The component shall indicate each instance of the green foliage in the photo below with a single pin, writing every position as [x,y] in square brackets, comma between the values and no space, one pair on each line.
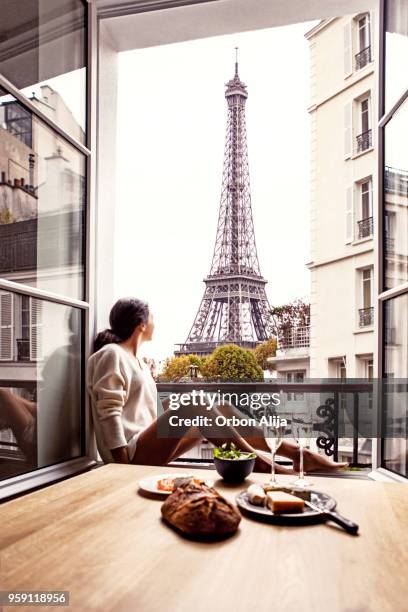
[177,367]
[222,452]
[231,363]
[5,216]
[290,316]
[263,351]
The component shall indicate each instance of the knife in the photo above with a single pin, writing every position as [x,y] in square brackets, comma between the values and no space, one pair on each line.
[347,525]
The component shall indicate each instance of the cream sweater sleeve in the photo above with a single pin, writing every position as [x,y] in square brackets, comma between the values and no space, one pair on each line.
[110,384]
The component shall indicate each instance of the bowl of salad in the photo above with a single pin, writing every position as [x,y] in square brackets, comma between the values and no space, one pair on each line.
[232,464]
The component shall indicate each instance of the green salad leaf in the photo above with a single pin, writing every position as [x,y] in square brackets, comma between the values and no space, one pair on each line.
[223,452]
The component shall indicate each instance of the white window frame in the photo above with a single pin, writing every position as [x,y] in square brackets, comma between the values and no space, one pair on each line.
[362,281]
[369,181]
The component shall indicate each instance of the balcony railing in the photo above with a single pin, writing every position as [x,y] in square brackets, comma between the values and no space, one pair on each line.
[363,58]
[366,316]
[389,244]
[396,181]
[296,337]
[365,227]
[364,141]
[338,409]
[23,349]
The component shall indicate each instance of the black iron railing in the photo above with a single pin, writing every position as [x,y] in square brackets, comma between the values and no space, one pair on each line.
[23,349]
[396,181]
[363,58]
[365,227]
[366,316]
[329,402]
[364,141]
[389,244]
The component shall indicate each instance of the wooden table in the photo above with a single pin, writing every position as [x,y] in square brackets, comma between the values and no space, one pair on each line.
[96,537]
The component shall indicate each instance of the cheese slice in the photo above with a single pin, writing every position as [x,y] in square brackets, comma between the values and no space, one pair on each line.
[280,502]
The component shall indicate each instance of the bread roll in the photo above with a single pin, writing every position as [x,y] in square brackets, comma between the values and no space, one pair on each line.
[199,510]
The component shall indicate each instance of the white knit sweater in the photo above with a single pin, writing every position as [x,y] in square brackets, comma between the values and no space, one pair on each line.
[123,398]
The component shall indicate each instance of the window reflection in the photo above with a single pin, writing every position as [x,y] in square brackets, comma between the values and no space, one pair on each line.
[396,47]
[42,52]
[40,383]
[42,200]
[396,370]
[396,200]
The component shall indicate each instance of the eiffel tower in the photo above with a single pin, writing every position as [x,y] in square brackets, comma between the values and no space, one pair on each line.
[234,308]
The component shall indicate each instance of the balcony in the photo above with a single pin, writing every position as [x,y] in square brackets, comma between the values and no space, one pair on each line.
[364,141]
[366,316]
[363,58]
[296,337]
[365,227]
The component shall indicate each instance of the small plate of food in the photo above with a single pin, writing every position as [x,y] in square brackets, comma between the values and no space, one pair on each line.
[284,504]
[164,484]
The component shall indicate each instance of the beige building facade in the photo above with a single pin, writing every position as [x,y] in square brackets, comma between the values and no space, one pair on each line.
[340,341]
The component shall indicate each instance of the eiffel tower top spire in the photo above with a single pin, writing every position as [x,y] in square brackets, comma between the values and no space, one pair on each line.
[235,307]
[235,85]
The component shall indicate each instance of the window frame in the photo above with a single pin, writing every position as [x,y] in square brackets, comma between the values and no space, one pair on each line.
[25,482]
[383,295]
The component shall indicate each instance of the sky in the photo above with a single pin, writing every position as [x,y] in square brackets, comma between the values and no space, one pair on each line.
[170,147]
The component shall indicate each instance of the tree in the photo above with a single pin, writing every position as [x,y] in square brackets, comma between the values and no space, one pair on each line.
[5,216]
[231,363]
[177,367]
[287,317]
[263,351]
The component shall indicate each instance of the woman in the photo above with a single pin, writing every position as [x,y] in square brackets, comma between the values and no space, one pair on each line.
[124,403]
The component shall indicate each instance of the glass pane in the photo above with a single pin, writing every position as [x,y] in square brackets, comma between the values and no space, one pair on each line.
[396,200]
[42,52]
[395,455]
[396,47]
[42,200]
[40,384]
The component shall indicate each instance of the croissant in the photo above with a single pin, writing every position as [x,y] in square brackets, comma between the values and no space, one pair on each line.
[199,510]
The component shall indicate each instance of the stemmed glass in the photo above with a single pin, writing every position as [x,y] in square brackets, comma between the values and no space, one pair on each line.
[302,428]
[273,438]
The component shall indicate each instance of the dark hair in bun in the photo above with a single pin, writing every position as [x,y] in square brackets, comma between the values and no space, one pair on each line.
[125,315]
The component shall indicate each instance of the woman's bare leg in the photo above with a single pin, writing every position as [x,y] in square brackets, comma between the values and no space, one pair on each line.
[290,450]
[156,447]
[14,411]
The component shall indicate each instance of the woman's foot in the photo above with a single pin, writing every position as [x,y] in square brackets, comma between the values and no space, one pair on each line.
[313,462]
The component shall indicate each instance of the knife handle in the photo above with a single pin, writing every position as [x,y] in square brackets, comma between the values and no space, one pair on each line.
[348,525]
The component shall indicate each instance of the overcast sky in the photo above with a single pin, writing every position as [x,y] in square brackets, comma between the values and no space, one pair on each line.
[172,119]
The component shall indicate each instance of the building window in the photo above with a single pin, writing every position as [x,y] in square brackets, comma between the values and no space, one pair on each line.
[295,376]
[364,138]
[363,57]
[365,225]
[366,313]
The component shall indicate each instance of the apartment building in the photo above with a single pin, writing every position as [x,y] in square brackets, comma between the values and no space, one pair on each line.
[339,342]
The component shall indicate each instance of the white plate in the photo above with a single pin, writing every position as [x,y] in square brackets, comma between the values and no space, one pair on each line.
[149,484]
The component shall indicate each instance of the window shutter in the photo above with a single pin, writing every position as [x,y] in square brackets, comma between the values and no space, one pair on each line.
[348,130]
[6,326]
[36,351]
[348,52]
[349,215]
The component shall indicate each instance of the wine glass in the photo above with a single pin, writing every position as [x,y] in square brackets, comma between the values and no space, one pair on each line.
[273,438]
[302,428]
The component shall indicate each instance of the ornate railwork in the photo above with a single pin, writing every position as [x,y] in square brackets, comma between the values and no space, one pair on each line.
[234,308]
[328,441]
